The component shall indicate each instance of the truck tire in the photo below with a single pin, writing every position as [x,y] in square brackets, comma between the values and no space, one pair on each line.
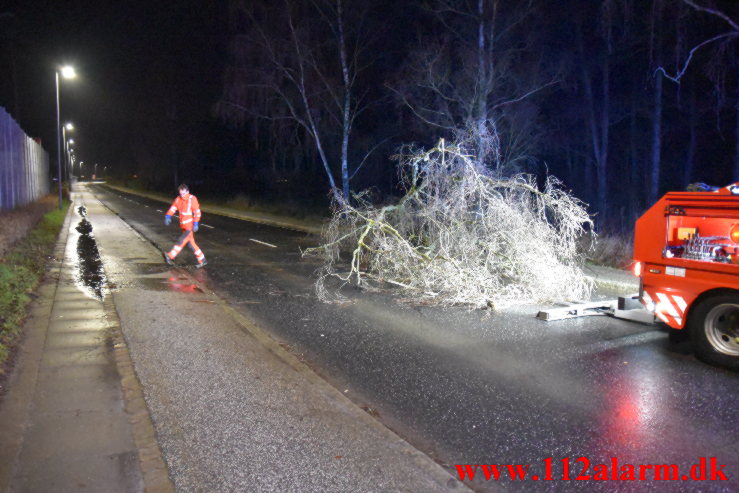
[714,330]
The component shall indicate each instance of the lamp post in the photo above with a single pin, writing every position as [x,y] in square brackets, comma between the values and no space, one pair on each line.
[68,73]
[68,153]
[67,126]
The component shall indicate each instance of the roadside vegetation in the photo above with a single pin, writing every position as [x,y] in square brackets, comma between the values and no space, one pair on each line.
[242,202]
[610,250]
[22,265]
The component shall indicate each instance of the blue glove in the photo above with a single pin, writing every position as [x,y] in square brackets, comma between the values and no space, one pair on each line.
[167,220]
[706,188]
[701,187]
[195,227]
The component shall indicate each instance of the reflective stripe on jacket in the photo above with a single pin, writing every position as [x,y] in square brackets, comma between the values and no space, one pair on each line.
[189,208]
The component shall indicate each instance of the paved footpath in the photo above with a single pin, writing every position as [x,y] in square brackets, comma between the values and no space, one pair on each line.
[74,418]
[161,386]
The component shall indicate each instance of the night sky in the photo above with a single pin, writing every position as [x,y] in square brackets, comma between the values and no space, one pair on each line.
[132,60]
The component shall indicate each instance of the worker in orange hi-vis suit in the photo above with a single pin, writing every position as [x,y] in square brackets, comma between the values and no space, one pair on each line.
[189,209]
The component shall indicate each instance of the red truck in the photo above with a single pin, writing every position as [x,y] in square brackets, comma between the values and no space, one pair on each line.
[686,254]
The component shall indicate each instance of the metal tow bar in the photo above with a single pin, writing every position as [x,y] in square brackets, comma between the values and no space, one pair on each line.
[625,308]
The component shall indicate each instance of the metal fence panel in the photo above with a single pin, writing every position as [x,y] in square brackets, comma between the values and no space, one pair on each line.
[24,165]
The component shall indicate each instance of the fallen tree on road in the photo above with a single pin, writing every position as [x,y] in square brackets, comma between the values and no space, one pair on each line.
[460,235]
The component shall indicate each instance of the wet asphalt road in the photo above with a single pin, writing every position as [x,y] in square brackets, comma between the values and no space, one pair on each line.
[475,387]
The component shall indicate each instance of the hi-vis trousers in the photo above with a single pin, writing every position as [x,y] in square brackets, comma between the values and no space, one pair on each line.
[187,237]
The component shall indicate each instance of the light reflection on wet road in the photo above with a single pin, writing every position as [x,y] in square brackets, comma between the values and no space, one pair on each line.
[90,277]
[473,386]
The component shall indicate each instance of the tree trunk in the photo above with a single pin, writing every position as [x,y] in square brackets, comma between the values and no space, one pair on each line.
[656,154]
[598,124]
[599,140]
[481,110]
[635,188]
[570,168]
[602,161]
[690,157]
[346,109]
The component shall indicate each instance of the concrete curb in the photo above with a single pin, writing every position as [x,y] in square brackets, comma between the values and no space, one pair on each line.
[153,467]
[609,277]
[607,283]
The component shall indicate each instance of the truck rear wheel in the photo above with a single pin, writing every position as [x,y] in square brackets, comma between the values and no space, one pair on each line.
[714,329]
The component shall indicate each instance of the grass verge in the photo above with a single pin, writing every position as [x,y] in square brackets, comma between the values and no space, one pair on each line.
[612,250]
[21,268]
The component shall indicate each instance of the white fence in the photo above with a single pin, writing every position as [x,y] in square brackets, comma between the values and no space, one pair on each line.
[24,165]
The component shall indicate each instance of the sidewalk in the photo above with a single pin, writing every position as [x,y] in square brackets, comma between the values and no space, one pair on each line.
[229,409]
[67,423]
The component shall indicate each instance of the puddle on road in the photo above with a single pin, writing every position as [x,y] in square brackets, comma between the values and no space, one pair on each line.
[145,268]
[90,275]
[179,285]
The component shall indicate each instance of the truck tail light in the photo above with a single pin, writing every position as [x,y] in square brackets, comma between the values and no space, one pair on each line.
[734,233]
[637,269]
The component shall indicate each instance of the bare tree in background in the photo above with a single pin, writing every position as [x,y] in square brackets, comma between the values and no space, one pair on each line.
[300,63]
[725,47]
[594,64]
[655,51]
[471,76]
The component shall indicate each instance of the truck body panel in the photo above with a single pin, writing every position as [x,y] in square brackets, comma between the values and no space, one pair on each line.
[687,244]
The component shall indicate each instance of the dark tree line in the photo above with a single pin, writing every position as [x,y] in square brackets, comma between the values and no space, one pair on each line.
[621,99]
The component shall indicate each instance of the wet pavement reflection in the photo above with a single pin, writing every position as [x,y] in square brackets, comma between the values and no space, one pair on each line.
[172,283]
[157,277]
[90,276]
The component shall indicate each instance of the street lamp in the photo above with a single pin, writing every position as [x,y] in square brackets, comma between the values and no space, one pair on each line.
[68,73]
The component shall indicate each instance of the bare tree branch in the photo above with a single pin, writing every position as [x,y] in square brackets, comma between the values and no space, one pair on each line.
[715,12]
[413,109]
[368,155]
[727,35]
[526,95]
[676,78]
